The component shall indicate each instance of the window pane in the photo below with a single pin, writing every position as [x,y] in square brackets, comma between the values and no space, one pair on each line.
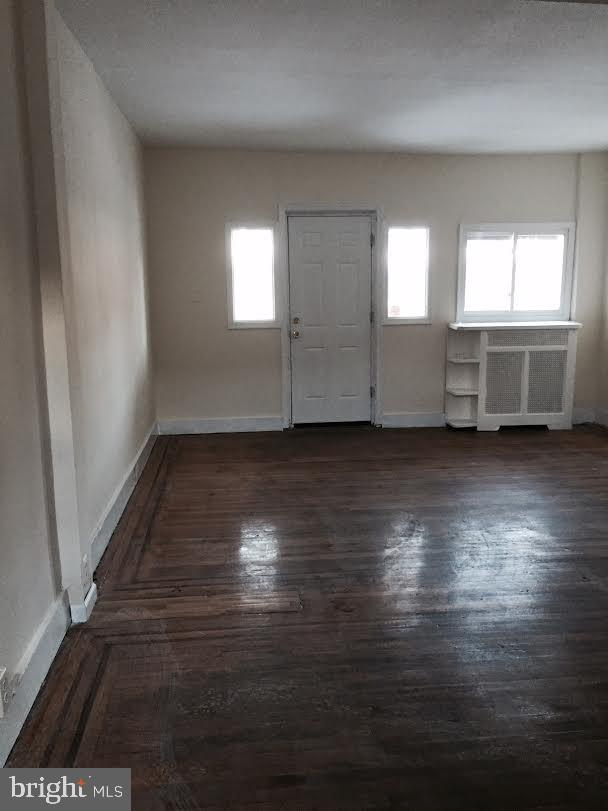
[252,274]
[408,252]
[489,271]
[539,265]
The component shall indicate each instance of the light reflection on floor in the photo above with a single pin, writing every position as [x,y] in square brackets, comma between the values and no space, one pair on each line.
[403,556]
[259,548]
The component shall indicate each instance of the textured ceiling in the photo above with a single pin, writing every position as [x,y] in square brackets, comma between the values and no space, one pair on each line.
[447,75]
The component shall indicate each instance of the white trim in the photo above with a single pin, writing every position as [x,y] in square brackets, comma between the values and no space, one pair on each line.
[217,425]
[82,611]
[413,419]
[254,325]
[580,415]
[378,262]
[570,376]
[576,246]
[483,374]
[282,268]
[383,252]
[52,237]
[481,326]
[32,670]
[377,335]
[568,229]
[117,503]
[269,225]
[376,214]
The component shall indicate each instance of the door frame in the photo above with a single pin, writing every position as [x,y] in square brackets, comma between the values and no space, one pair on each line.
[374,212]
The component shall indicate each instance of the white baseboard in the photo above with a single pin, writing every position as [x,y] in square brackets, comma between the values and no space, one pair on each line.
[82,611]
[220,426]
[580,415]
[118,502]
[32,670]
[413,419]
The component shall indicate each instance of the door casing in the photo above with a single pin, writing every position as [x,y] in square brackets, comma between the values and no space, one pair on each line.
[282,269]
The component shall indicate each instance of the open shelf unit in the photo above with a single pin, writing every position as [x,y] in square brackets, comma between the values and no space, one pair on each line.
[462,379]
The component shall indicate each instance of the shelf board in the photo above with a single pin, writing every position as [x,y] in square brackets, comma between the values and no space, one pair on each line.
[463,360]
[483,326]
[462,423]
[460,391]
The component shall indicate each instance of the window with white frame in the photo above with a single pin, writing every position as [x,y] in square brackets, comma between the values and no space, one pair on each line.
[407,271]
[251,288]
[515,272]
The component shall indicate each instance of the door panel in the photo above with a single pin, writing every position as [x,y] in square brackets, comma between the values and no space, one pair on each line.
[330,304]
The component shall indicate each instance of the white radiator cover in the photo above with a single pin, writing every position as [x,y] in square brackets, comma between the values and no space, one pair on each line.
[525,377]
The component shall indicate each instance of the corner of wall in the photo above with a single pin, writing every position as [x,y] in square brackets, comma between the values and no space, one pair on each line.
[116,506]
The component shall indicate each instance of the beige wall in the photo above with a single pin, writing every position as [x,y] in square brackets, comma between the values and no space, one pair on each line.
[104,284]
[592,216]
[28,585]
[204,370]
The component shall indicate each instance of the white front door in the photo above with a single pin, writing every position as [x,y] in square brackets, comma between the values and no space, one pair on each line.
[330,270]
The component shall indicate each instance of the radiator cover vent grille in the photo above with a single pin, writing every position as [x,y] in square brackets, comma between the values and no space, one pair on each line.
[503,382]
[528,337]
[546,382]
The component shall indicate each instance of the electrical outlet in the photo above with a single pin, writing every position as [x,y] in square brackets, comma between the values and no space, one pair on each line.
[87,580]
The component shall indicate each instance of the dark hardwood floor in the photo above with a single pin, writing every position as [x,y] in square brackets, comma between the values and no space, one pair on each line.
[348,619]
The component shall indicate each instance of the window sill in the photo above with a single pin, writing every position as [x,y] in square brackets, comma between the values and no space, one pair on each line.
[401,322]
[255,325]
[489,325]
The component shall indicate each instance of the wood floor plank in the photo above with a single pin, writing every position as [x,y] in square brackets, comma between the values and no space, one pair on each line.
[345,619]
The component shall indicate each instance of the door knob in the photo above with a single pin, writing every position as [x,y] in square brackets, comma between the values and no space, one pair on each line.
[295,333]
